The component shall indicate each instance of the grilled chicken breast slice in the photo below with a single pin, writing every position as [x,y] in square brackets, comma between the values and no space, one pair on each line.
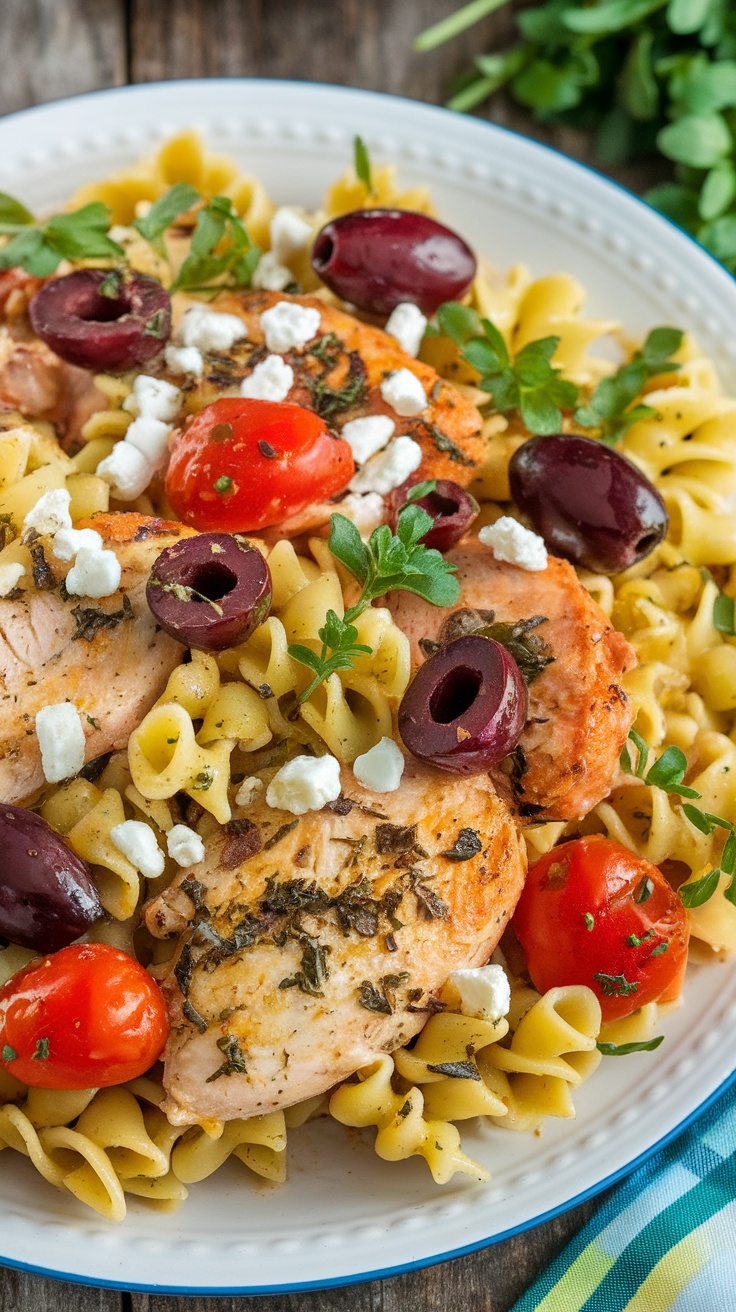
[310,944]
[579,716]
[54,649]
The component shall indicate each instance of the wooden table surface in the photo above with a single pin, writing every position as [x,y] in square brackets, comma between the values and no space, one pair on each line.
[56,48]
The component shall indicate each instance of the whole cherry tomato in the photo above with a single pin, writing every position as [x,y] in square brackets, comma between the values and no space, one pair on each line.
[85,1017]
[243,464]
[594,913]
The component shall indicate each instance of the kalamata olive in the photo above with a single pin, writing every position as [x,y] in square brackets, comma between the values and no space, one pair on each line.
[47,898]
[210,591]
[103,318]
[588,502]
[465,707]
[452,508]
[378,258]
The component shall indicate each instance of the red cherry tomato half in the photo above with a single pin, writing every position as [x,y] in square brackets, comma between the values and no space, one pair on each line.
[594,913]
[244,464]
[85,1017]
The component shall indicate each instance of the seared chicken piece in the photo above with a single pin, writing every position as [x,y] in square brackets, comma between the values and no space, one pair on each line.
[35,381]
[310,944]
[579,717]
[54,650]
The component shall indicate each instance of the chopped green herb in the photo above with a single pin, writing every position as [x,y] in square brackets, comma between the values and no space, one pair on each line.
[636,940]
[112,285]
[234,1063]
[659,949]
[530,651]
[373,999]
[8,1053]
[223,484]
[467,845]
[644,890]
[615,986]
[589,919]
[95,723]
[724,616]
[363,163]
[42,1050]
[610,410]
[623,1049]
[456,1070]
[698,891]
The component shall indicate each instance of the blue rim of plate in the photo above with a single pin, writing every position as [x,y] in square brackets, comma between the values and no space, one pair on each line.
[384,1273]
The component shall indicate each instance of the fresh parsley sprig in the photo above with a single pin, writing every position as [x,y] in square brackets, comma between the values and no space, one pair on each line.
[39,248]
[623,1049]
[610,410]
[668,773]
[174,202]
[529,382]
[387,562]
[221,253]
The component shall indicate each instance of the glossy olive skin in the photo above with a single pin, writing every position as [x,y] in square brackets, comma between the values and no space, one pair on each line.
[588,502]
[210,591]
[451,507]
[465,707]
[115,331]
[47,898]
[378,258]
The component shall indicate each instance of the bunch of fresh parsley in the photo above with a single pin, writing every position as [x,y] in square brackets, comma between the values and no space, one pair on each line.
[644,76]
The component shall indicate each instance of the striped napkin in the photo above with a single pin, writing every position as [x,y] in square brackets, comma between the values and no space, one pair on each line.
[665,1241]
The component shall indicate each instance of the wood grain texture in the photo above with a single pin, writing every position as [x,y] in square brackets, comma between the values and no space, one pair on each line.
[60,47]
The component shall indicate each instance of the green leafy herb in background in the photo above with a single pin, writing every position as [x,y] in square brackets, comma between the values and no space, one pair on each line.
[39,248]
[645,77]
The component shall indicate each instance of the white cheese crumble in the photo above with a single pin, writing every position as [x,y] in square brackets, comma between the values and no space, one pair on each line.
[403,391]
[381,768]
[10,576]
[366,510]
[288,326]
[248,790]
[389,468]
[50,513]
[510,541]
[271,276]
[210,331]
[184,360]
[127,471]
[184,845]
[68,541]
[154,398]
[61,739]
[289,232]
[151,437]
[271,380]
[305,784]
[484,991]
[368,435]
[406,324]
[94,573]
[137,841]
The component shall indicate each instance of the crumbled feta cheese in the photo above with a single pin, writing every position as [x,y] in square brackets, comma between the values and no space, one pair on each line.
[50,513]
[154,398]
[10,576]
[150,437]
[381,768]
[510,541]
[184,360]
[406,324]
[289,232]
[403,391]
[484,991]
[248,790]
[68,541]
[184,845]
[366,510]
[127,471]
[368,435]
[94,573]
[288,325]
[271,380]
[270,275]
[210,331]
[61,739]
[390,468]
[305,784]
[136,840]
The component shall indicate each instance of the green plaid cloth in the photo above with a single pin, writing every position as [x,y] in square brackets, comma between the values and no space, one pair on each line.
[665,1241]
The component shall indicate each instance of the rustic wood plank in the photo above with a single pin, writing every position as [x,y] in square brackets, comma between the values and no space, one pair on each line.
[20,1292]
[54,48]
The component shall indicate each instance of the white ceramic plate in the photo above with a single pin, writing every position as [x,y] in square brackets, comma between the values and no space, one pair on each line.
[344,1215]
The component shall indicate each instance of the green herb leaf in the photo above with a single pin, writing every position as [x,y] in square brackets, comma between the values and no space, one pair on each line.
[339,652]
[623,1049]
[8,1053]
[348,547]
[608,409]
[701,890]
[13,214]
[615,986]
[42,1050]
[177,200]
[724,614]
[589,919]
[700,140]
[363,163]
[220,253]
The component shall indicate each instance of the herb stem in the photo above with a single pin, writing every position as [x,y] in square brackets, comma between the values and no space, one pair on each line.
[456,23]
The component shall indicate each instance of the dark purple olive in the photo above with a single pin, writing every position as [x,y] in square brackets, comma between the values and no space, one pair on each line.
[465,707]
[378,258]
[210,591]
[47,898]
[590,504]
[452,508]
[103,318]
